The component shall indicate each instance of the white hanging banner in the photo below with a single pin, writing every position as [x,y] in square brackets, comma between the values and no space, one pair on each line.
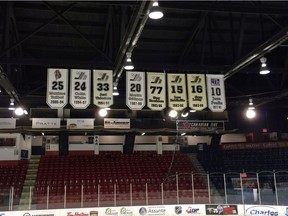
[103,88]
[57,88]
[80,88]
[196,91]
[156,91]
[135,90]
[216,92]
[177,98]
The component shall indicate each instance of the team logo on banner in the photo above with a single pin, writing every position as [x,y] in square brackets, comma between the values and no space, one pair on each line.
[216,92]
[57,88]
[103,88]
[177,98]
[156,91]
[135,90]
[196,91]
[80,88]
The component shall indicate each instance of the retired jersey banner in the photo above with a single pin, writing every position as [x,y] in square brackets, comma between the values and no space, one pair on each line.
[135,90]
[103,88]
[196,91]
[216,92]
[57,88]
[80,88]
[156,91]
[177,98]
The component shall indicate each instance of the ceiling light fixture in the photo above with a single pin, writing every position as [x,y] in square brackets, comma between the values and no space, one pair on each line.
[183,134]
[19,111]
[264,69]
[128,65]
[173,113]
[155,12]
[185,113]
[103,112]
[115,91]
[142,134]
[12,105]
[250,113]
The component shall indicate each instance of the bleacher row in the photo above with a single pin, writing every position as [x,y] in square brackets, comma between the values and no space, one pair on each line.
[139,173]
[12,175]
[110,171]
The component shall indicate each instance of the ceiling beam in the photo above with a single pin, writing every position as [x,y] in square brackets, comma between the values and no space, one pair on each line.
[35,31]
[257,53]
[61,16]
[230,7]
[133,32]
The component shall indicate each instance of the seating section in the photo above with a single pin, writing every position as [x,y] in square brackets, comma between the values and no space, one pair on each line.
[248,160]
[12,175]
[99,176]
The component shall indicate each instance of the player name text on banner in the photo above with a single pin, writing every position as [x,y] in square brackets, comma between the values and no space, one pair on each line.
[57,88]
[216,92]
[177,98]
[196,91]
[80,88]
[156,91]
[135,90]
[103,88]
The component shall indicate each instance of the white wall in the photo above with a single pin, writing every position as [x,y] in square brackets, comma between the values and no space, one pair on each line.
[11,152]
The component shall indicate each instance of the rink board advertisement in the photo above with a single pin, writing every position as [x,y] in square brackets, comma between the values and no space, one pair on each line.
[158,210]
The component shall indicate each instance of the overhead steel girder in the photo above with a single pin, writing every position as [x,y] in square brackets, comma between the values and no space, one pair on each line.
[257,53]
[133,32]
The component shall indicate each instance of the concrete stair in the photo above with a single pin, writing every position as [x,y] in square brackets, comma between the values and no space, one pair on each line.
[29,183]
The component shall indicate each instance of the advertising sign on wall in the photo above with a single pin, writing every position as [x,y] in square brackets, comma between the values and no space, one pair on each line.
[46,123]
[80,123]
[7,123]
[117,123]
[221,209]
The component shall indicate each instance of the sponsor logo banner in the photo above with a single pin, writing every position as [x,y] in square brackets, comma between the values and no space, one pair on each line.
[196,91]
[7,123]
[221,209]
[46,123]
[216,92]
[57,88]
[135,90]
[111,211]
[177,98]
[80,88]
[207,126]
[156,91]
[152,210]
[116,123]
[103,88]
[262,210]
[80,123]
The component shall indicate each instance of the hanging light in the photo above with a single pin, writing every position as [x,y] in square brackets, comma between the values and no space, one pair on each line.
[128,65]
[250,113]
[264,69]
[12,105]
[103,112]
[19,111]
[173,113]
[142,134]
[115,91]
[155,12]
